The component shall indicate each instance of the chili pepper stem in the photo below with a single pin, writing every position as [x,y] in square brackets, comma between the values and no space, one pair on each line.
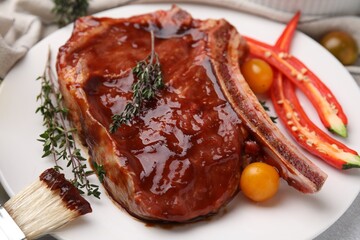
[339,129]
[353,162]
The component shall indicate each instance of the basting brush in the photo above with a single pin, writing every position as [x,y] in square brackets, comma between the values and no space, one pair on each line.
[42,207]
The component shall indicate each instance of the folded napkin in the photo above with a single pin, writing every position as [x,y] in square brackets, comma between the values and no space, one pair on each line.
[16,38]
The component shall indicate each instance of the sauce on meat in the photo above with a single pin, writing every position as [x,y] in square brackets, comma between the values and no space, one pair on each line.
[183,121]
[185,145]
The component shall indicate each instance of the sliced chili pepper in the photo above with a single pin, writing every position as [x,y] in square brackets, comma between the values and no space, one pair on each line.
[305,132]
[324,101]
[286,37]
[293,116]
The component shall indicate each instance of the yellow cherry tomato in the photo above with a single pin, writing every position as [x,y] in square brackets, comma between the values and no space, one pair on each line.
[259,181]
[341,45]
[258,74]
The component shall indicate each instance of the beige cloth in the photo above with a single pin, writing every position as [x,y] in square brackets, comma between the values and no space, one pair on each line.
[16,38]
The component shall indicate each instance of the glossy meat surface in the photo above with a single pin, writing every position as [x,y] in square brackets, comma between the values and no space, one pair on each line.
[180,159]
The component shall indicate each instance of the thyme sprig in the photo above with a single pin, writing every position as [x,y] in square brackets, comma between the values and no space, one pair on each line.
[68,11]
[266,108]
[59,138]
[149,80]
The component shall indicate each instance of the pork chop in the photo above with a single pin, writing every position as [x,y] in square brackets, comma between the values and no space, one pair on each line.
[180,159]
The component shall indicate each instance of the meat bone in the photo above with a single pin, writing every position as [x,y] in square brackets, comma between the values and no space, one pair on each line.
[293,166]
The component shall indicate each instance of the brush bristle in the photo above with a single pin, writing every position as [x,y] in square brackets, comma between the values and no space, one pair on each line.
[46,205]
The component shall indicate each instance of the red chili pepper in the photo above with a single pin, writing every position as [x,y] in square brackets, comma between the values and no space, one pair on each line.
[286,37]
[324,101]
[305,132]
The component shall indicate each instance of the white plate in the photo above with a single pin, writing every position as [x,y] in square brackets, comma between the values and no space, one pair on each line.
[290,215]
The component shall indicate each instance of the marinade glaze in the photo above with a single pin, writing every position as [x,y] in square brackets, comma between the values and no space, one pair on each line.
[178,160]
[69,194]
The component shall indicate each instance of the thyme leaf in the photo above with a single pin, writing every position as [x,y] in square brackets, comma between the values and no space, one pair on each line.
[68,11]
[266,108]
[263,104]
[273,119]
[59,138]
[100,171]
[149,80]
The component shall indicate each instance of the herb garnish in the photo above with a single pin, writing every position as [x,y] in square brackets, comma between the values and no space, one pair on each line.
[68,11]
[266,108]
[58,138]
[149,80]
[273,119]
[100,171]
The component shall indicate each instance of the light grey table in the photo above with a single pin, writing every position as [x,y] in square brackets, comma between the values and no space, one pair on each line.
[346,228]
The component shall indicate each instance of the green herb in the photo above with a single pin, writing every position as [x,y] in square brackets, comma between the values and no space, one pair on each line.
[263,104]
[59,138]
[68,11]
[273,119]
[100,171]
[266,108]
[149,80]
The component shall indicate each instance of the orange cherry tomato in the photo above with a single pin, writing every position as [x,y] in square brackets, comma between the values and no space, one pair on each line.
[259,181]
[258,74]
